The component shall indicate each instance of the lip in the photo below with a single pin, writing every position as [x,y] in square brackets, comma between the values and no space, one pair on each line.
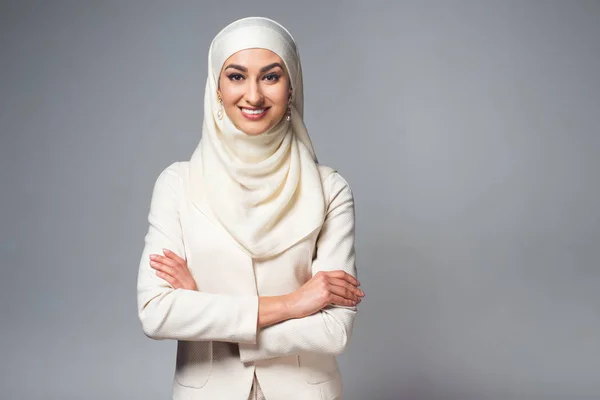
[254,117]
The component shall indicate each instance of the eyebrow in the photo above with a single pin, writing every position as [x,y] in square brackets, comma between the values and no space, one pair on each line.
[271,66]
[263,69]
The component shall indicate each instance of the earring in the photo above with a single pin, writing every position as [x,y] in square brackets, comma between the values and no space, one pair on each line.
[220,111]
[288,114]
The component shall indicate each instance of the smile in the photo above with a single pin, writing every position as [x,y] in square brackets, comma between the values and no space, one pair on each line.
[254,114]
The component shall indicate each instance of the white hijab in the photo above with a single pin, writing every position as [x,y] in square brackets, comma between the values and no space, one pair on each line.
[265,190]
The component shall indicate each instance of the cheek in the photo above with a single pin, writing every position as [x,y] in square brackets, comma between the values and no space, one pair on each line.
[230,93]
[280,98]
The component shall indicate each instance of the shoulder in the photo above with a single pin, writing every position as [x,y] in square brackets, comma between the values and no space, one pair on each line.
[176,170]
[172,176]
[336,189]
[168,191]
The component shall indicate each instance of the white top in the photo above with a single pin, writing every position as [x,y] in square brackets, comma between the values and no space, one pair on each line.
[212,323]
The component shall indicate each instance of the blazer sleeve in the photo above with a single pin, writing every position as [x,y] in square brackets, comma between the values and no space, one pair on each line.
[327,331]
[168,313]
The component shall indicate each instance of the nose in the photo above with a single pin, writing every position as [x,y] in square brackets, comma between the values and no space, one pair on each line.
[254,94]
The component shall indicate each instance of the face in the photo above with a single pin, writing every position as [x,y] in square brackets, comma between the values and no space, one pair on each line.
[255,89]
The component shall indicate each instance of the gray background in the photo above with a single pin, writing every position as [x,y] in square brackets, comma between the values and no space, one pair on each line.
[469,131]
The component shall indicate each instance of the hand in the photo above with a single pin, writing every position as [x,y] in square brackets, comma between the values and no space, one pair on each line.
[324,288]
[173,269]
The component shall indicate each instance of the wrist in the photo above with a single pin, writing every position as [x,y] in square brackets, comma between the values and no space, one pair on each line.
[275,309]
[289,305]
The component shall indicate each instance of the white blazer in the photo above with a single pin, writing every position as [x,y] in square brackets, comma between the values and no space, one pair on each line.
[219,346]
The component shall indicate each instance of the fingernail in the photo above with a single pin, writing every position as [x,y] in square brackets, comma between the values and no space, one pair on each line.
[152,256]
[166,251]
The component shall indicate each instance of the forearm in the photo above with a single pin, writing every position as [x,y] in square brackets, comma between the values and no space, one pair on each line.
[190,315]
[274,309]
[327,331]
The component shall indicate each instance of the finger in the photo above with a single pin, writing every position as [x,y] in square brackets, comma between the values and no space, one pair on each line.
[174,256]
[346,285]
[171,280]
[341,301]
[164,260]
[167,269]
[343,292]
[340,274]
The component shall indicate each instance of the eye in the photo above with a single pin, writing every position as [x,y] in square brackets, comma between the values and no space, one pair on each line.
[273,77]
[235,77]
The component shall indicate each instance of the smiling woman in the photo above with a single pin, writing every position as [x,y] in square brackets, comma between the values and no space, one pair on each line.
[249,258]
[255,90]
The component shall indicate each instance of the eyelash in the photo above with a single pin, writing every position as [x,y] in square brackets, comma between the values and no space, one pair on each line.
[274,76]
[235,77]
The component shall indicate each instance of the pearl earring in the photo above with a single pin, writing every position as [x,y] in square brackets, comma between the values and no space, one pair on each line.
[220,111]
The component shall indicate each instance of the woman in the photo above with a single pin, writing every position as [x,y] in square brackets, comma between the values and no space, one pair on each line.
[249,257]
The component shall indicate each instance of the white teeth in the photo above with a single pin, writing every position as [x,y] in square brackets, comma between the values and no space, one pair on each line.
[253,112]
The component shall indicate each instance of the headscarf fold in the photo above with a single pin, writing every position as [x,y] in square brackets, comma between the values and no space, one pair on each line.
[265,190]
